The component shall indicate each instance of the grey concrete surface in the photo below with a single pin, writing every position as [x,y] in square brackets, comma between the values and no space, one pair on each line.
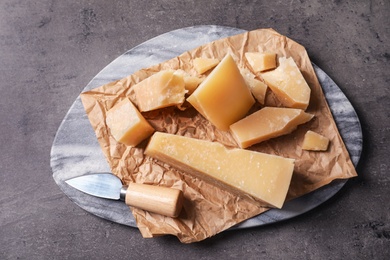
[50,50]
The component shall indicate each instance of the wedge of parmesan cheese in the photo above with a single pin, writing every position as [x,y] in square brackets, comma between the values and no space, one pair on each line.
[261,61]
[223,97]
[203,65]
[126,123]
[160,90]
[263,177]
[315,142]
[288,84]
[267,123]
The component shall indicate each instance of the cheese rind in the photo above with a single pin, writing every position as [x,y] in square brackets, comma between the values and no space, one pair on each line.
[261,61]
[223,97]
[264,177]
[126,123]
[315,142]
[267,123]
[160,90]
[202,65]
[257,87]
[288,84]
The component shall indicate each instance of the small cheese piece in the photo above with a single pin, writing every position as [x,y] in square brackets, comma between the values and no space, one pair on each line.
[190,82]
[126,123]
[261,61]
[267,123]
[264,177]
[160,90]
[223,97]
[315,142]
[257,87]
[202,65]
[288,84]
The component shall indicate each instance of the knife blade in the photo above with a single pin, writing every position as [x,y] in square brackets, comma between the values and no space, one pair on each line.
[157,199]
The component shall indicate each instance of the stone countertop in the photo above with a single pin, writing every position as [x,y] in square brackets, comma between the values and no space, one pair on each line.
[50,50]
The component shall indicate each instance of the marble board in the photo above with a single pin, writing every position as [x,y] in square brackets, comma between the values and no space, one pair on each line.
[76,151]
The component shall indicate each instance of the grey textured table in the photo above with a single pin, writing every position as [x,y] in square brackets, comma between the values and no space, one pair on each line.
[50,51]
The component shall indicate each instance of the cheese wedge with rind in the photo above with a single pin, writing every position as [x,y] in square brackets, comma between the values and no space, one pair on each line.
[288,84]
[126,123]
[160,90]
[267,123]
[315,142]
[223,97]
[263,177]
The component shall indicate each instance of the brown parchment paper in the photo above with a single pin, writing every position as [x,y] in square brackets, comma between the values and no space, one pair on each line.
[209,210]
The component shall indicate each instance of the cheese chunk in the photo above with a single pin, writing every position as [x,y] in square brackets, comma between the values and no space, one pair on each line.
[160,90]
[190,82]
[261,61]
[202,65]
[288,84]
[264,177]
[126,123]
[315,142]
[257,87]
[267,123]
[223,97]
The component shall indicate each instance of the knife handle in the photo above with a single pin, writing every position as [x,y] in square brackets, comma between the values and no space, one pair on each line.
[161,200]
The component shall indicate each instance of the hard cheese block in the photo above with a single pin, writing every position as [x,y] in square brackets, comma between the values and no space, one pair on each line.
[223,97]
[261,61]
[126,123]
[263,177]
[267,123]
[162,89]
[288,84]
[315,142]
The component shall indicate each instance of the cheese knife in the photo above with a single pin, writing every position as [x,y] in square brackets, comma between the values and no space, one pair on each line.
[157,199]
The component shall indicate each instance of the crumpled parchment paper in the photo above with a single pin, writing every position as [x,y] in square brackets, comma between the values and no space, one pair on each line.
[209,210]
